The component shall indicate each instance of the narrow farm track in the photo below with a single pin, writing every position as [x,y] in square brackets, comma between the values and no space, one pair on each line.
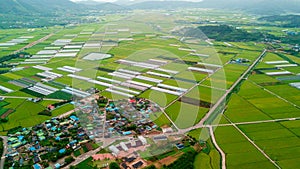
[19,97]
[274,94]
[223,156]
[34,43]
[252,142]
[257,122]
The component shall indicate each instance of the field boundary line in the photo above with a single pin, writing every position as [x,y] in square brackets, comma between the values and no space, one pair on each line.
[252,142]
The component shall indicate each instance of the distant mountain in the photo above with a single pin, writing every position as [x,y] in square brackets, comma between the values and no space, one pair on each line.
[46,7]
[266,7]
[164,5]
[30,7]
[90,4]
[110,7]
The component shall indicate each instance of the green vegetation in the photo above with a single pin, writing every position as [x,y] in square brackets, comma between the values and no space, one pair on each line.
[226,33]
[184,161]
[283,20]
[258,98]
[114,165]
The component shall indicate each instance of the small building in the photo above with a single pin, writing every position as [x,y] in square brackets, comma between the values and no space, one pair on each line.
[16,145]
[179,146]
[142,139]
[124,165]
[114,150]
[57,138]
[74,118]
[130,159]
[61,151]
[37,166]
[125,133]
[124,147]
[32,148]
[138,164]
[167,130]
[160,138]
[57,165]
[36,159]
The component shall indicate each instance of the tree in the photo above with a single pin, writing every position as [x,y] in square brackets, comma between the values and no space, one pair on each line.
[69,160]
[150,167]
[74,167]
[114,165]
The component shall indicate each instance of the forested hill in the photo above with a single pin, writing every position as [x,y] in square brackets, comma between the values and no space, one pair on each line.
[265,7]
[283,20]
[225,33]
[34,7]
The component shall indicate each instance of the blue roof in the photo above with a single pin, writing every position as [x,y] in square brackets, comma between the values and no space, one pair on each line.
[80,134]
[20,138]
[74,118]
[57,138]
[32,148]
[73,142]
[37,166]
[53,128]
[57,165]
[126,132]
[61,151]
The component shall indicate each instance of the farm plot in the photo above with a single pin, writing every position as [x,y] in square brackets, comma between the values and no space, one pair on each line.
[160,98]
[240,110]
[239,152]
[205,94]
[277,141]
[267,103]
[185,115]
[281,90]
[25,115]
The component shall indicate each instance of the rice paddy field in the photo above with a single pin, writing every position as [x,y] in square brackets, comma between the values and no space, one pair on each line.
[185,77]
[266,111]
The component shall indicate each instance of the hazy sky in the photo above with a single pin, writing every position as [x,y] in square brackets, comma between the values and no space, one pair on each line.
[97,0]
[131,0]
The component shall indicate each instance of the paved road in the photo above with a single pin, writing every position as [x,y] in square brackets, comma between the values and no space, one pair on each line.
[223,98]
[2,162]
[67,113]
[33,43]
[17,97]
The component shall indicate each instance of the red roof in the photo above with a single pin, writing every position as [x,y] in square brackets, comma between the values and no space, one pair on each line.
[101,157]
